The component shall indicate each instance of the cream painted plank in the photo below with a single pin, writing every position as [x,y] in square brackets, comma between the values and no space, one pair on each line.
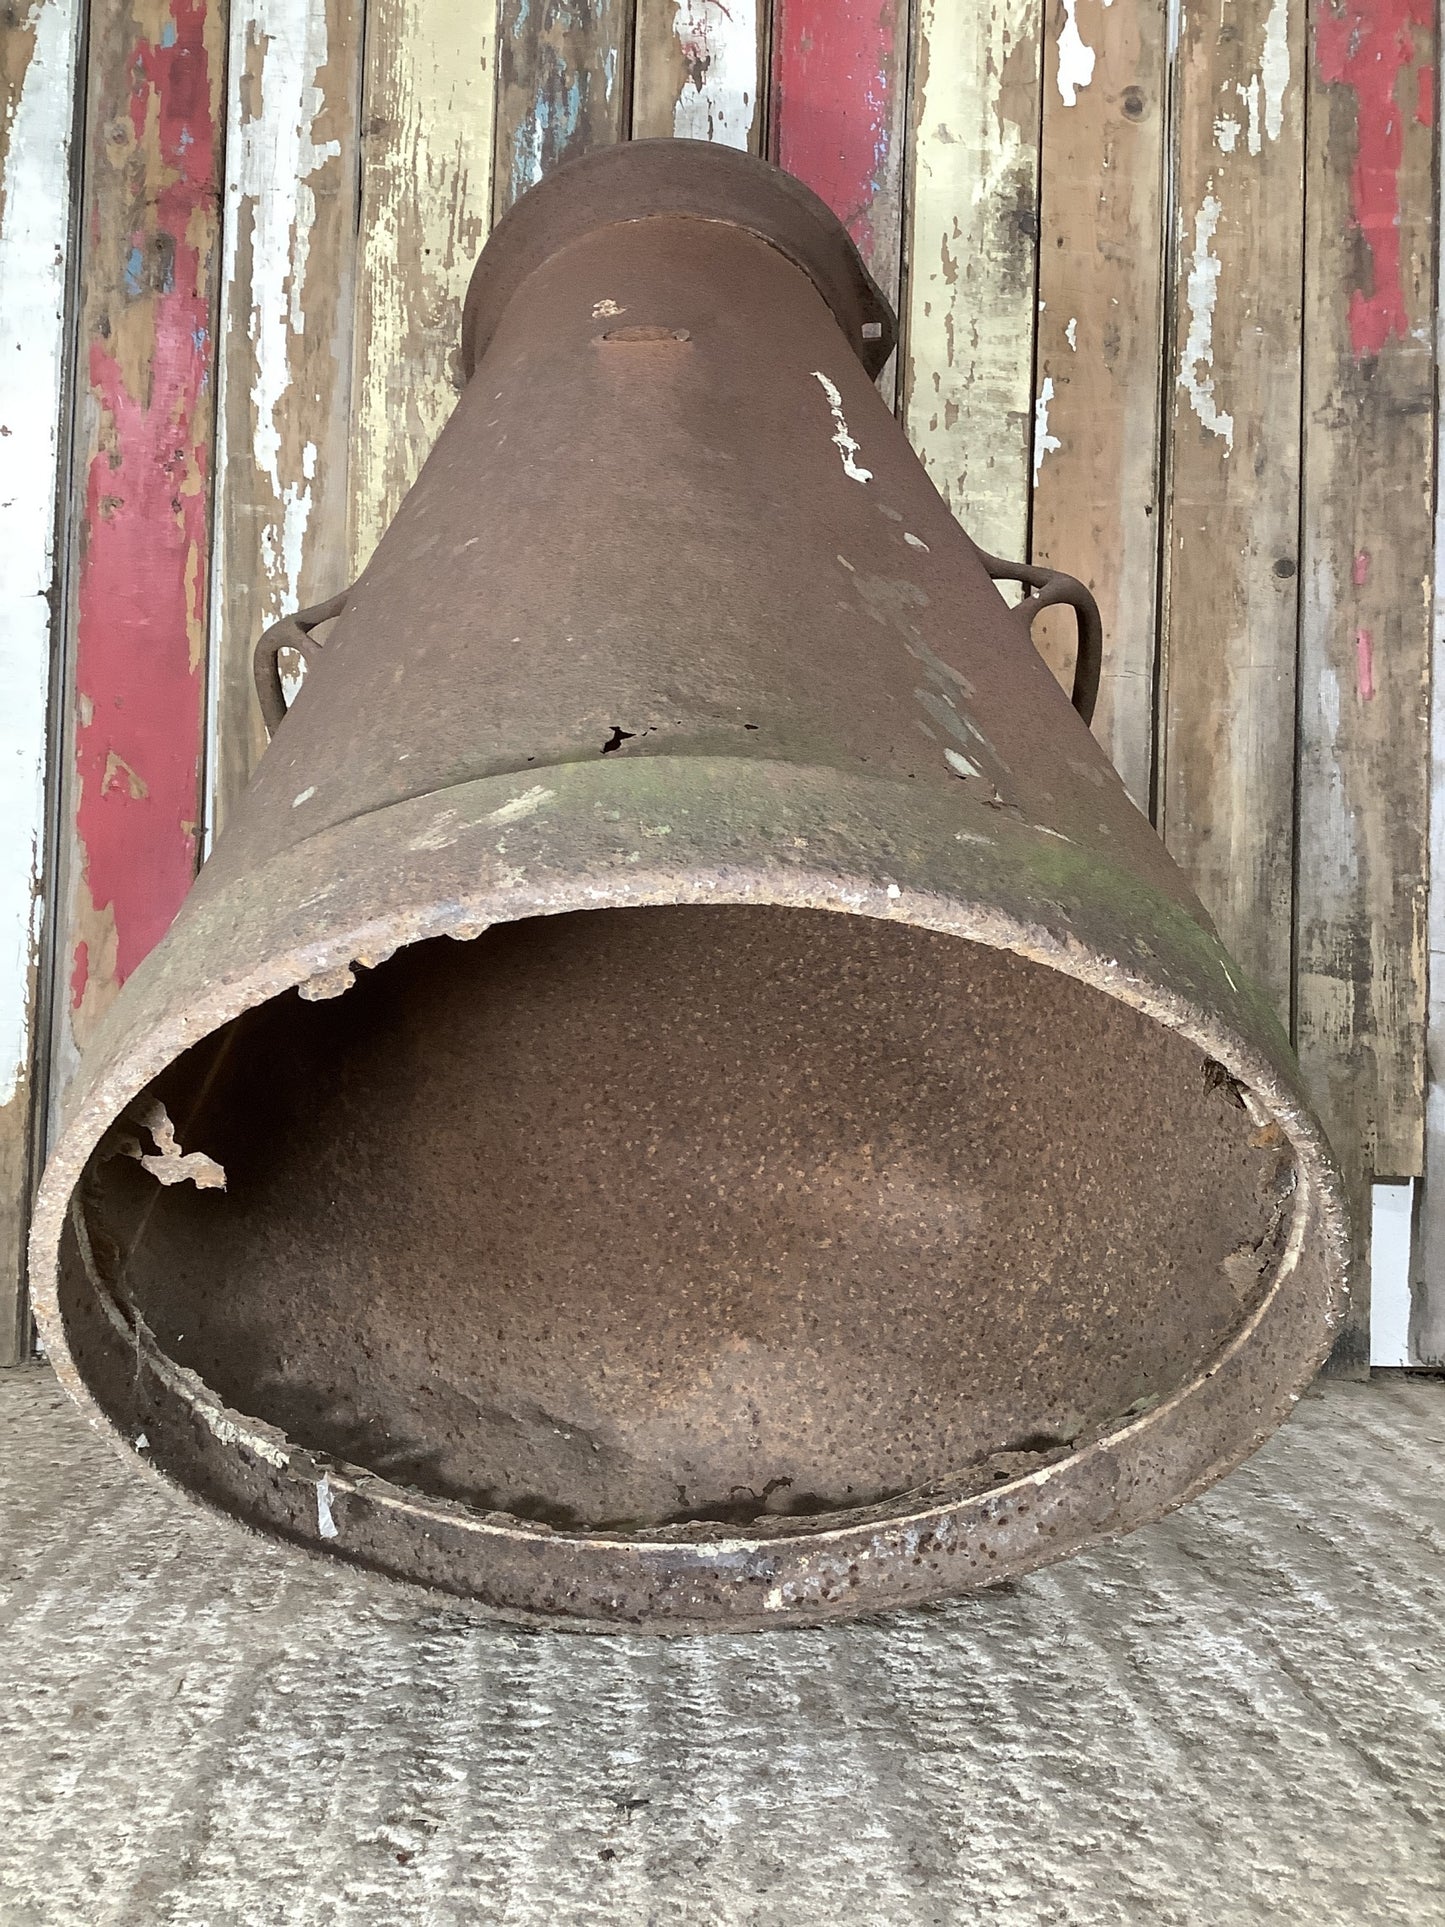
[426,193]
[1097,481]
[293,127]
[37,78]
[698,71]
[1226,786]
[969,302]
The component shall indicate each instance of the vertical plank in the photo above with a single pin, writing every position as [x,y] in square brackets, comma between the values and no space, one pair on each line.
[293,124]
[697,71]
[1231,550]
[565,69]
[1096,455]
[969,307]
[1427,1242]
[1365,641]
[839,114]
[1428,1228]
[426,193]
[145,388]
[37,79]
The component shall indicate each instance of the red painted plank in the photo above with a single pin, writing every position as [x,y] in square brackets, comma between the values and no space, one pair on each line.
[147,342]
[1367,46]
[839,75]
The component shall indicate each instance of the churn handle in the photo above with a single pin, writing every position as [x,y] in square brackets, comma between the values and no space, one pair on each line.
[291,632]
[1046,589]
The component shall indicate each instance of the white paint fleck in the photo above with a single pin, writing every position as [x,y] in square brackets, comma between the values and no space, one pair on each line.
[1076,58]
[600,310]
[527,804]
[844,442]
[1044,442]
[1274,67]
[325,1518]
[142,1443]
[1248,92]
[32,305]
[960,764]
[1226,133]
[894,892]
[1071,333]
[718,40]
[916,542]
[305,797]
[1196,367]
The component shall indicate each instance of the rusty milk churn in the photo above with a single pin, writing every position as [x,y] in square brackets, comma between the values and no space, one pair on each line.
[687,1096]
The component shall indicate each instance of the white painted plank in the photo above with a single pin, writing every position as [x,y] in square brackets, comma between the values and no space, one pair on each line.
[37,57]
[969,306]
[426,203]
[282,421]
[696,71]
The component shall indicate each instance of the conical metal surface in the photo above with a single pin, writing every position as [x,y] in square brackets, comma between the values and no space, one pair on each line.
[687,1096]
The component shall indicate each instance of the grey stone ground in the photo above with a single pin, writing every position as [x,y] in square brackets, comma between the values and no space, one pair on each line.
[1236,1716]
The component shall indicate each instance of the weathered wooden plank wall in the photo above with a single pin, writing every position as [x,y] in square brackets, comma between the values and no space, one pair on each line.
[1160,325]
[37,68]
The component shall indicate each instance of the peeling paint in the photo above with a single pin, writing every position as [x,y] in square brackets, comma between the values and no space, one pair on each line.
[557,96]
[1364,665]
[1365,47]
[847,447]
[325,1518]
[140,637]
[968,379]
[1201,293]
[1274,68]
[1076,58]
[838,115]
[1044,442]
[718,43]
[272,161]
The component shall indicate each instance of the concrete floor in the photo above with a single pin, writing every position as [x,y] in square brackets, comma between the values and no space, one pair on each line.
[1235,1716]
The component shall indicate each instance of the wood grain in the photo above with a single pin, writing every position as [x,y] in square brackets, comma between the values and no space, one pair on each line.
[1097,452]
[37,77]
[969,305]
[426,196]
[1231,551]
[1365,641]
[698,71]
[293,127]
[564,87]
[134,699]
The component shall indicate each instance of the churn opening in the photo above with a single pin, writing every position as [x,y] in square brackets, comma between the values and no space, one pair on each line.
[621,1219]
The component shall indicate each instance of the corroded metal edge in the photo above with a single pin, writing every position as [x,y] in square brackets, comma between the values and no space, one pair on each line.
[641,180]
[571,837]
